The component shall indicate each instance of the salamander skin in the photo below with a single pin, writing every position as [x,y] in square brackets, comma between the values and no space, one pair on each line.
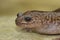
[44,22]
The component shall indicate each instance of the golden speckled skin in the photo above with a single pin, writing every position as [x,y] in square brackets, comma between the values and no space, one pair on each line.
[45,22]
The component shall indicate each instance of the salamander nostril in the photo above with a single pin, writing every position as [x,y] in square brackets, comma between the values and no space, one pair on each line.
[27,19]
[19,14]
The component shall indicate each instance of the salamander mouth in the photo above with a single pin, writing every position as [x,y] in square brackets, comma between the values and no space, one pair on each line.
[18,23]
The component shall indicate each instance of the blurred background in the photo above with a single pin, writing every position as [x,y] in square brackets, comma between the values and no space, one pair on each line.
[12,7]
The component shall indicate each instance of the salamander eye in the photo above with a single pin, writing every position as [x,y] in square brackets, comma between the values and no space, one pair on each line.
[27,19]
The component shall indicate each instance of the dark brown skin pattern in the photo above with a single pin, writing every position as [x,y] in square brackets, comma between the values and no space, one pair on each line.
[45,22]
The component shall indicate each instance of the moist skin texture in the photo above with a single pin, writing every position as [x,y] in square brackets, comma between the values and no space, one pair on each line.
[43,22]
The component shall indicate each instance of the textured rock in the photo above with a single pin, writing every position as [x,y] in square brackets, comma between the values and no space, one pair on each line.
[56,39]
